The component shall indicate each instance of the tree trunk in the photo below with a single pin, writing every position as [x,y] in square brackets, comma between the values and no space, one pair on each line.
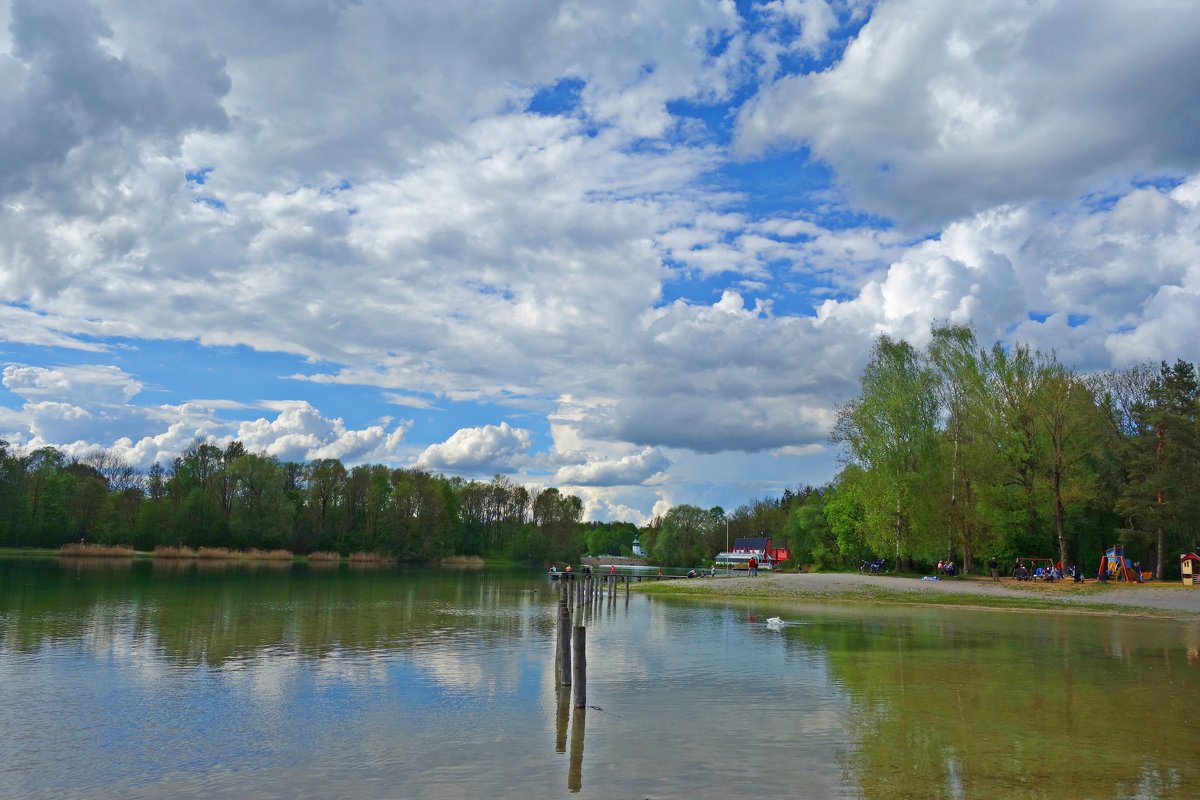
[1060,525]
[1158,559]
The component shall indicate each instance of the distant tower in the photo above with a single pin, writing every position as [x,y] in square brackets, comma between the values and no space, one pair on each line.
[637,547]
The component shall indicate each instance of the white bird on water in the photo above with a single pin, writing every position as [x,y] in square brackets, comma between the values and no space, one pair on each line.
[775,622]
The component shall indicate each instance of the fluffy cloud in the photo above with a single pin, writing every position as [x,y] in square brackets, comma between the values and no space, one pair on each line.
[939,110]
[79,408]
[64,89]
[300,433]
[97,384]
[483,449]
[1102,287]
[383,191]
[631,469]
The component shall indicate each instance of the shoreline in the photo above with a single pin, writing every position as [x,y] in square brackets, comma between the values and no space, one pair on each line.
[1156,600]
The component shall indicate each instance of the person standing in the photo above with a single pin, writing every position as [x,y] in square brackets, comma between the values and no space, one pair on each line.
[994,568]
[752,567]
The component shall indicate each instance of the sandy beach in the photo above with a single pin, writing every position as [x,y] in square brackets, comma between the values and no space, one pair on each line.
[1173,599]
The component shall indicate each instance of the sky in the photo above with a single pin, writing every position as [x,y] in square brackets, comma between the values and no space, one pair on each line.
[636,250]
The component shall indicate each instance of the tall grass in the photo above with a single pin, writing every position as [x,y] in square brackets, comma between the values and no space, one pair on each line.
[222,554]
[254,554]
[81,550]
[167,551]
[323,555]
[217,553]
[369,558]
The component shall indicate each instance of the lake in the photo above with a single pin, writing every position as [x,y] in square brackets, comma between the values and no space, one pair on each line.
[152,679]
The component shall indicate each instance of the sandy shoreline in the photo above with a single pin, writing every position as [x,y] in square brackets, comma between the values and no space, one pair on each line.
[1172,598]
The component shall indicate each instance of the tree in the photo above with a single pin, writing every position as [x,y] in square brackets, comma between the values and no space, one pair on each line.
[967,455]
[890,430]
[1010,405]
[1162,496]
[12,494]
[810,536]
[556,517]
[260,514]
[681,539]
[1071,427]
[845,515]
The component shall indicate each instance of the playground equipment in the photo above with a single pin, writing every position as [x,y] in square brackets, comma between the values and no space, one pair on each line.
[1116,566]
[1189,567]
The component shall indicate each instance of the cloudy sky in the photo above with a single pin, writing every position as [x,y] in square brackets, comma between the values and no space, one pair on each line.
[637,249]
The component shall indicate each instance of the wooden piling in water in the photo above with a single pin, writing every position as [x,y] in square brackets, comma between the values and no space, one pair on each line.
[579,667]
[562,654]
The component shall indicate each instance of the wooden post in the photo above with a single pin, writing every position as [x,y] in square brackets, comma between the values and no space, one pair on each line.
[579,667]
[558,650]
[562,661]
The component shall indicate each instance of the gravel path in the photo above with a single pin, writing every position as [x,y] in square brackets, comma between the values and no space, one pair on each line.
[1161,597]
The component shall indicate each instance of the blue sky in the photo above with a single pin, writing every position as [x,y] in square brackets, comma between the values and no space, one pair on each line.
[635,250]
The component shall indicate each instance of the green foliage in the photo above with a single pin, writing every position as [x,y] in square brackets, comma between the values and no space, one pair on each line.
[1161,496]
[810,536]
[214,497]
[967,453]
[890,429]
[954,451]
[610,538]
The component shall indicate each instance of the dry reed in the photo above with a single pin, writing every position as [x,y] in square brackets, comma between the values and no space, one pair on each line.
[81,550]
[178,551]
[269,555]
[368,558]
[323,555]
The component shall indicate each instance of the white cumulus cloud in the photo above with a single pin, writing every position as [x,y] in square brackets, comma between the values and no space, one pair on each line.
[485,448]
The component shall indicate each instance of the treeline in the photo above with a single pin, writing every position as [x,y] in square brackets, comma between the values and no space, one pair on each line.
[966,453]
[214,496]
[954,451]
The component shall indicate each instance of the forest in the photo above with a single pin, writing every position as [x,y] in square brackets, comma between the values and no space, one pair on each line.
[951,451]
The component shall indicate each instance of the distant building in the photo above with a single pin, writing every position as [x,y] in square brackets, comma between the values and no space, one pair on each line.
[637,547]
[762,548]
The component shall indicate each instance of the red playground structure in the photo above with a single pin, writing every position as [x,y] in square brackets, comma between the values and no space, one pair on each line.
[1116,566]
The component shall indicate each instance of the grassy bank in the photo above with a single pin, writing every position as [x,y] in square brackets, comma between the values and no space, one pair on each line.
[1092,598]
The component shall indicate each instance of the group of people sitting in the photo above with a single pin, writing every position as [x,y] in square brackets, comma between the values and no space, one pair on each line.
[874,566]
[1041,572]
[947,568]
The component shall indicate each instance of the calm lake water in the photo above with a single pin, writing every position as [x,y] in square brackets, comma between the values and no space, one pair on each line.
[147,680]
